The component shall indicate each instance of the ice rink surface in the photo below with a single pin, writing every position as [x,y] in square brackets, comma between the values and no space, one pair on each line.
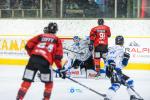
[11,78]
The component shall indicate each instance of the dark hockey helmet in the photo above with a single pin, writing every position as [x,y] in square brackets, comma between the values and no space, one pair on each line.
[100,21]
[52,28]
[119,40]
[76,38]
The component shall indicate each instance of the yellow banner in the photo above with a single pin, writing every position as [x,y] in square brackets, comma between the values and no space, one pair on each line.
[131,66]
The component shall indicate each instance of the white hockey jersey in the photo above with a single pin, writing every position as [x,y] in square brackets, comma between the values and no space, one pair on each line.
[83,50]
[116,53]
[75,52]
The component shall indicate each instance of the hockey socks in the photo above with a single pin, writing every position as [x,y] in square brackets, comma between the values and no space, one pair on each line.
[48,90]
[23,89]
[97,64]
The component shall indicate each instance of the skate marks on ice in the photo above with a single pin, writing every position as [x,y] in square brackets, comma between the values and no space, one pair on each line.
[10,80]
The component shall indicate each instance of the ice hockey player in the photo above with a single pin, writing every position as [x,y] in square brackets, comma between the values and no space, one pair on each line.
[43,49]
[99,40]
[116,60]
[83,58]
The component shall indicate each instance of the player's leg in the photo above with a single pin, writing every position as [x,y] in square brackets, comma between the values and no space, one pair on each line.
[83,69]
[130,84]
[89,63]
[103,55]
[115,85]
[102,71]
[112,91]
[97,59]
[99,53]
[28,77]
[48,90]
[23,89]
[104,50]
[46,76]
[76,64]
[89,67]
[130,91]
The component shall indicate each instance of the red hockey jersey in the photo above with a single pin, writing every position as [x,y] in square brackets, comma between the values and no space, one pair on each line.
[48,46]
[100,34]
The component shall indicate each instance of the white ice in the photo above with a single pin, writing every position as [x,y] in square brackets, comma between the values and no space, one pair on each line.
[11,78]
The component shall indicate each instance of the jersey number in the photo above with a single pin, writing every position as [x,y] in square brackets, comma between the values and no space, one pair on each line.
[43,45]
[102,36]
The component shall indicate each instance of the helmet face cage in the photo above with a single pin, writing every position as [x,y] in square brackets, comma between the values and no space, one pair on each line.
[100,21]
[52,28]
[119,40]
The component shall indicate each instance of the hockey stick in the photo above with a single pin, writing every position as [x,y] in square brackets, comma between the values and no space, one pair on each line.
[102,95]
[73,51]
[140,98]
[68,69]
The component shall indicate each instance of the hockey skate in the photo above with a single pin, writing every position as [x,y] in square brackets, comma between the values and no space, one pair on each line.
[132,97]
[106,98]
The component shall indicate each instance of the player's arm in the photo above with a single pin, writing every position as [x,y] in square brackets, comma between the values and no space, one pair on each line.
[31,44]
[58,54]
[58,59]
[92,35]
[110,68]
[125,60]
[126,57]
[92,38]
[108,32]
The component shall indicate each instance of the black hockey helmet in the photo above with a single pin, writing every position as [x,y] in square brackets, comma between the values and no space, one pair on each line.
[52,28]
[100,21]
[119,40]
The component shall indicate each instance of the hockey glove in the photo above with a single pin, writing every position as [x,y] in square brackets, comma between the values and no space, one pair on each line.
[62,73]
[110,68]
[125,59]
[90,47]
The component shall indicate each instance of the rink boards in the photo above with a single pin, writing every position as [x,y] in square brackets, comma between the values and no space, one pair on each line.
[131,66]
[12,50]
[14,34]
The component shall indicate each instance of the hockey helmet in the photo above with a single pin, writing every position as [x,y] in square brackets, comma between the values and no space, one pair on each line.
[52,28]
[76,38]
[119,40]
[100,21]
